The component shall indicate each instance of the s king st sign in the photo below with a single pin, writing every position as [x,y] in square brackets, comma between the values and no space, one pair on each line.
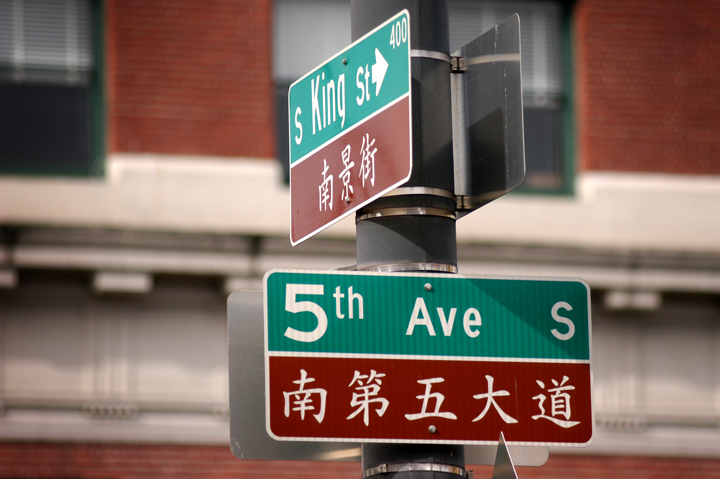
[350,129]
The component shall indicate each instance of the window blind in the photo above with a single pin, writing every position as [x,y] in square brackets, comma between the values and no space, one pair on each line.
[307,33]
[539,37]
[45,40]
[310,31]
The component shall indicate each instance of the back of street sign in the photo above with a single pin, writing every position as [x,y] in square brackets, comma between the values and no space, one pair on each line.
[488,132]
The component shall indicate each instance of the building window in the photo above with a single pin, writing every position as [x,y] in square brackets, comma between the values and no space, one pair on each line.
[309,32]
[51,115]
[546,98]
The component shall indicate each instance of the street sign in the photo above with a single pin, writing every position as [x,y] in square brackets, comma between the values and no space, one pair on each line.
[248,436]
[350,129]
[488,132]
[372,357]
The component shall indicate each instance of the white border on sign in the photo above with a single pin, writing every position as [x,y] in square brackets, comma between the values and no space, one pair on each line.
[421,275]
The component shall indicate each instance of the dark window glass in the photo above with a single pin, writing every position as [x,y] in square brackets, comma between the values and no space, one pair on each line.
[542,148]
[44,128]
[50,88]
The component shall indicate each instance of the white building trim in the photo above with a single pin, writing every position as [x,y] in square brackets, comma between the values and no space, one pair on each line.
[634,211]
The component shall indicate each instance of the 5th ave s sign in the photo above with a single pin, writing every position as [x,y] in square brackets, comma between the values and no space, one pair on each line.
[373,357]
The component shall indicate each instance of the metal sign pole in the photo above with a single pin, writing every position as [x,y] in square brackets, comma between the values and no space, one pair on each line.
[414,228]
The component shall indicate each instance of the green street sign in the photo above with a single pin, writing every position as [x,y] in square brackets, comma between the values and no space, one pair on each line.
[372,357]
[356,83]
[350,129]
[429,315]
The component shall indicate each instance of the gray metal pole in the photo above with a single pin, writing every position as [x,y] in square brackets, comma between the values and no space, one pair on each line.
[415,230]
[418,241]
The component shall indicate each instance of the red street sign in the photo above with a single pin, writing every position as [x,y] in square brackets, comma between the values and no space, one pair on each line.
[409,400]
[351,171]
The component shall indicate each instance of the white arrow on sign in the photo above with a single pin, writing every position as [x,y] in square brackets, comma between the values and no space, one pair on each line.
[378,71]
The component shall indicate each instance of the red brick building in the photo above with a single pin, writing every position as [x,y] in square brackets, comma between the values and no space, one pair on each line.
[647,92]
[205,87]
[140,184]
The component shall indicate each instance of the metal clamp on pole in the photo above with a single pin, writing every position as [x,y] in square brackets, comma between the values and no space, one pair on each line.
[406,211]
[430,54]
[412,268]
[420,190]
[386,468]
[457,64]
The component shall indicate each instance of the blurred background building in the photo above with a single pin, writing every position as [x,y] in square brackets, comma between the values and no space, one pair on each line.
[142,179]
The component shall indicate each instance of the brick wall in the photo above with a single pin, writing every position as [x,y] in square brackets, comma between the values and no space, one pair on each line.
[189,77]
[648,85]
[39,460]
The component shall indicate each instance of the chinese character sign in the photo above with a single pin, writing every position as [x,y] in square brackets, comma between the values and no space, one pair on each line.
[346,174]
[301,398]
[383,399]
[369,394]
[326,191]
[380,357]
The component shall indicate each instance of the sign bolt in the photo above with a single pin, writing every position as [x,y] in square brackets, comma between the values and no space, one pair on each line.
[344,61]
[432,429]
[428,287]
